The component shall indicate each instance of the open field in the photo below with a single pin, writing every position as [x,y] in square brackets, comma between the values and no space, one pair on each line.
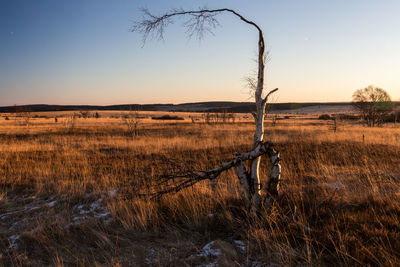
[69,193]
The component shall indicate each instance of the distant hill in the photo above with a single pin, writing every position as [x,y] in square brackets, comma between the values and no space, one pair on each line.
[218,106]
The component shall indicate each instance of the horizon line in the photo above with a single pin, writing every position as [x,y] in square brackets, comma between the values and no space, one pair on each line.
[183,103]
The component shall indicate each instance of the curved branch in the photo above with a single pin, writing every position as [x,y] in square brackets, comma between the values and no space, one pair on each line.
[196,24]
[269,93]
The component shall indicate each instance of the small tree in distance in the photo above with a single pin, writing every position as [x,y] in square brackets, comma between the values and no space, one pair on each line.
[198,22]
[25,115]
[132,121]
[374,104]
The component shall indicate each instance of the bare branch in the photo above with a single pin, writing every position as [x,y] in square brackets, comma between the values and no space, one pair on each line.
[270,93]
[181,176]
[251,81]
[251,84]
[198,22]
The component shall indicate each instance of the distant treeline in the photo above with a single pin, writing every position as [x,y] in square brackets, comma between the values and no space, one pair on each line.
[222,106]
[392,117]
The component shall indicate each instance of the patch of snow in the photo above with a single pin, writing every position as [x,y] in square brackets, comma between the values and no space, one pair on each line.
[52,203]
[101,215]
[241,245]
[82,211]
[76,220]
[13,241]
[96,204]
[18,224]
[149,261]
[33,208]
[96,209]
[260,264]
[209,251]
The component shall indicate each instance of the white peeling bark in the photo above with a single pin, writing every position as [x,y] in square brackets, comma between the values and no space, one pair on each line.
[259,131]
[243,176]
[274,177]
[259,121]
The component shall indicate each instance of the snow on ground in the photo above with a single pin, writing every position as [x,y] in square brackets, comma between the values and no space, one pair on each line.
[209,251]
[25,213]
[221,253]
[240,245]
[94,209]
[13,241]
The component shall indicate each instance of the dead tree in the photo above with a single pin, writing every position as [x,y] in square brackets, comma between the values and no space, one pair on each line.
[24,114]
[84,114]
[224,115]
[26,118]
[70,123]
[198,22]
[132,121]
[207,118]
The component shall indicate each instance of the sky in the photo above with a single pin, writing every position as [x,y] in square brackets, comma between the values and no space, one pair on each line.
[83,52]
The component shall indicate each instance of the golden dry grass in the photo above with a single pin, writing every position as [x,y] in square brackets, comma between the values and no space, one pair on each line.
[69,196]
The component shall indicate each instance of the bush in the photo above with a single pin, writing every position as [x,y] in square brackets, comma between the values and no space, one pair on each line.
[393,117]
[349,117]
[168,117]
[325,117]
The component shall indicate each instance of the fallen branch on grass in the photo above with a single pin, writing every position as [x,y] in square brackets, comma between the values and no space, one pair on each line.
[181,175]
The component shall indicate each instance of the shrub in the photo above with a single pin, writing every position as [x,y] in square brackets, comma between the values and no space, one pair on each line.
[393,117]
[325,117]
[349,117]
[168,117]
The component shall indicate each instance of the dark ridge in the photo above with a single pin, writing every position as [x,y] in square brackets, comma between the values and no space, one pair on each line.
[215,106]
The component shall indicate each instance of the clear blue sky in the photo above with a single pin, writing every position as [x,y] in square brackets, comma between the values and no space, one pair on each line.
[82,52]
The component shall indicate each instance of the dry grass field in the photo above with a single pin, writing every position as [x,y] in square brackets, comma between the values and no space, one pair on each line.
[71,195]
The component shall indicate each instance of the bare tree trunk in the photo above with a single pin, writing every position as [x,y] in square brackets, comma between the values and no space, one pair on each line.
[274,176]
[259,121]
[250,181]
